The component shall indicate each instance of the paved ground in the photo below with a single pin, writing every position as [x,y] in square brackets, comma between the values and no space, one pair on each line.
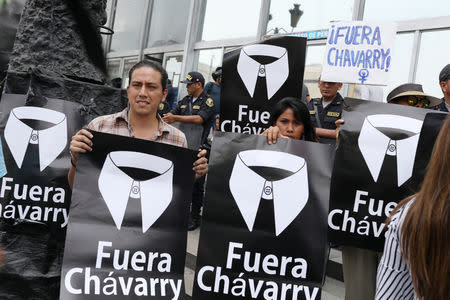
[332,290]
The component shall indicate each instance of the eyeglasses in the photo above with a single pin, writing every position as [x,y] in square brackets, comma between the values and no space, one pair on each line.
[413,100]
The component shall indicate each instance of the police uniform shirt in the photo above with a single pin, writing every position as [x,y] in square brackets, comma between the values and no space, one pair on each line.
[203,106]
[213,90]
[163,108]
[327,115]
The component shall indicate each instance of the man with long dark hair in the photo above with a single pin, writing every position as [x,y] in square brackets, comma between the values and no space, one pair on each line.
[146,91]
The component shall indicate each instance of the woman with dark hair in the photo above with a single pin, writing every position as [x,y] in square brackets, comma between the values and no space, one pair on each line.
[290,119]
[416,258]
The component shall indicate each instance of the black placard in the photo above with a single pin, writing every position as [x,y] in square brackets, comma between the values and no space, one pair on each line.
[37,108]
[374,168]
[34,192]
[128,222]
[266,207]
[255,78]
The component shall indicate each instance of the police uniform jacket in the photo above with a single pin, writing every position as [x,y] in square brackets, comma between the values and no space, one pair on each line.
[163,108]
[327,115]
[202,106]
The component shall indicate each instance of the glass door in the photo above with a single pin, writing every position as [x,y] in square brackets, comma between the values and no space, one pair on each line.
[172,63]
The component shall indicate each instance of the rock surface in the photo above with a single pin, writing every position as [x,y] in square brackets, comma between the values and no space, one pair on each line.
[47,38]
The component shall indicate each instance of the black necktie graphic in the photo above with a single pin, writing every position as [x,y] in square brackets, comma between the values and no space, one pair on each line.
[265,216]
[388,174]
[31,164]
[133,212]
[260,93]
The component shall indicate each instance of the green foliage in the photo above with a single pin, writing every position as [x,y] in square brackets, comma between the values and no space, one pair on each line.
[3,4]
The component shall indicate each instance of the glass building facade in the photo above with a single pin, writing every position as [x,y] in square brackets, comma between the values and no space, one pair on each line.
[192,35]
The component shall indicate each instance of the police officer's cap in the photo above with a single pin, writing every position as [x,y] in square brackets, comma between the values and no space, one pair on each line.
[194,77]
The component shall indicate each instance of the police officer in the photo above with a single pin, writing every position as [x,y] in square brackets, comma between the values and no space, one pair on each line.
[198,108]
[326,111]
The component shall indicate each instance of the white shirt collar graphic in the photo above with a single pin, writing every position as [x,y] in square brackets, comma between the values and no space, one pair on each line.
[276,73]
[289,195]
[51,141]
[116,187]
[374,145]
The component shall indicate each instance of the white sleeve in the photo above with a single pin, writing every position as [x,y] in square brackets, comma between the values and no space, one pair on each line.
[393,276]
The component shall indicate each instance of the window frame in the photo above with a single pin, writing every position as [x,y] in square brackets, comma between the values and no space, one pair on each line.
[191,45]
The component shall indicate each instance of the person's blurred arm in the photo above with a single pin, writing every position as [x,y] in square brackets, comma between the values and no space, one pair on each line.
[326,133]
[170,118]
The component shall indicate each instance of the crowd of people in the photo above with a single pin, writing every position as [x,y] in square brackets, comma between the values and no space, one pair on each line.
[416,259]
[415,263]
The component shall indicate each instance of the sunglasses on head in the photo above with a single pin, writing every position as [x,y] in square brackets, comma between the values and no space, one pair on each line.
[413,100]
